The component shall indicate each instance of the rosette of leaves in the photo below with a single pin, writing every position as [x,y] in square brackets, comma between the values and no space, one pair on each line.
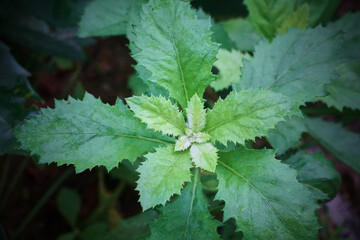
[178,137]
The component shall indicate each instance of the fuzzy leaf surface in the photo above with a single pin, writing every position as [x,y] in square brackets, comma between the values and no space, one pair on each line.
[186,218]
[162,175]
[317,172]
[245,115]
[87,133]
[229,64]
[268,15]
[196,114]
[176,47]
[107,17]
[344,90]
[296,64]
[158,113]
[298,18]
[264,197]
[339,141]
[204,156]
[286,134]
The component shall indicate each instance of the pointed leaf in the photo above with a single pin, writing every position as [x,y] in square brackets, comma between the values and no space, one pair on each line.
[69,203]
[87,133]
[246,115]
[340,142]
[175,46]
[286,134]
[317,172]
[296,64]
[229,65]
[196,114]
[186,218]
[162,175]
[204,156]
[344,90]
[159,114]
[264,197]
[268,15]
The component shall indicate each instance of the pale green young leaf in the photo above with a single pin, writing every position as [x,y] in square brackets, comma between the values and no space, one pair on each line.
[245,115]
[264,197]
[162,175]
[298,18]
[75,130]
[229,64]
[107,17]
[196,114]
[158,113]
[242,33]
[296,64]
[187,217]
[339,141]
[268,15]
[204,155]
[317,172]
[286,134]
[175,46]
[344,90]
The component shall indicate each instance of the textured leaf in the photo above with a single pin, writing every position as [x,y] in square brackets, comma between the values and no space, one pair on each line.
[186,218]
[344,91]
[229,65]
[242,33]
[107,17]
[268,15]
[296,64]
[159,114]
[286,134]
[69,203]
[298,18]
[340,142]
[246,115]
[196,114]
[317,172]
[162,175]
[175,46]
[75,132]
[204,156]
[264,197]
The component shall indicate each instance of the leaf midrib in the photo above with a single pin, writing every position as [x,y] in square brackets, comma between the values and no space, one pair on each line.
[268,203]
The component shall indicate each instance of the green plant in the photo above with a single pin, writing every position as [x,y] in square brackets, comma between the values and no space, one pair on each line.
[181,140]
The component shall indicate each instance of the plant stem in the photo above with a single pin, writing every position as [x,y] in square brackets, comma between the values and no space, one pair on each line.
[42,202]
[13,184]
[5,172]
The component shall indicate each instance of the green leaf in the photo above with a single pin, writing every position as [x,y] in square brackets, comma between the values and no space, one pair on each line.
[159,114]
[317,172]
[162,175]
[229,65]
[75,130]
[286,134]
[69,203]
[246,115]
[175,46]
[298,18]
[340,142]
[107,17]
[344,91]
[264,197]
[187,217]
[196,114]
[204,155]
[296,64]
[242,33]
[268,15]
